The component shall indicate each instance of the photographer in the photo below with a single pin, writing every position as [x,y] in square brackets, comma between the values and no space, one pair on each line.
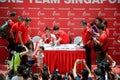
[105,72]
[45,73]
[56,75]
[100,44]
[86,73]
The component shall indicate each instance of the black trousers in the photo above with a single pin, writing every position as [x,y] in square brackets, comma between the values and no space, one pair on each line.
[88,57]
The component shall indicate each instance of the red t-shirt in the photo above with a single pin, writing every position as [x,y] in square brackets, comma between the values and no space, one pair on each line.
[103,38]
[16,28]
[48,39]
[64,37]
[25,32]
[86,36]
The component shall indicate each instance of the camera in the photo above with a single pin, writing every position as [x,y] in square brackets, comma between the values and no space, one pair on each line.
[56,75]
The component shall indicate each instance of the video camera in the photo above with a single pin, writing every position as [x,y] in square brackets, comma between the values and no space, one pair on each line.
[56,75]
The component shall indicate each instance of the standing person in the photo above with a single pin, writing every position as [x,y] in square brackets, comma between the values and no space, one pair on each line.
[105,24]
[86,73]
[24,36]
[24,32]
[11,21]
[61,36]
[98,21]
[15,30]
[101,44]
[48,37]
[39,55]
[87,41]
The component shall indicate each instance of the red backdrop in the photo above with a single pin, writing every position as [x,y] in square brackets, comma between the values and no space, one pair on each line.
[66,14]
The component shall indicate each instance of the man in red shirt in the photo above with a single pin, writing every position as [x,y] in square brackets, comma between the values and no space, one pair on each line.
[24,32]
[15,29]
[61,36]
[87,38]
[48,37]
[11,22]
[101,44]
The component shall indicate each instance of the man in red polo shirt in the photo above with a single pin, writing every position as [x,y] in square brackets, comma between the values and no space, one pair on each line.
[24,32]
[48,37]
[101,44]
[15,29]
[61,36]
[87,38]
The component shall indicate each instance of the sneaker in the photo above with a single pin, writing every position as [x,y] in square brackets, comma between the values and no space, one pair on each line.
[113,64]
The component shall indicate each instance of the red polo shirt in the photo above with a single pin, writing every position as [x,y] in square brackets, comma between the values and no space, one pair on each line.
[25,32]
[118,38]
[48,40]
[64,37]
[86,36]
[103,38]
[16,28]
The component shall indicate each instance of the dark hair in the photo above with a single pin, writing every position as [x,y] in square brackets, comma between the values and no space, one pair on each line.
[19,48]
[41,47]
[47,28]
[85,73]
[12,14]
[99,19]
[25,74]
[98,72]
[20,69]
[21,18]
[56,28]
[84,22]
[30,43]
[35,77]
[27,19]
[2,77]
[100,26]
[105,23]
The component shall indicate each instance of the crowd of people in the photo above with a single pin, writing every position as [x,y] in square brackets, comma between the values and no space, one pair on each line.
[23,53]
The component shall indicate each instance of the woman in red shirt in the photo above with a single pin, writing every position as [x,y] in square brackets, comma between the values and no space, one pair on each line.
[107,32]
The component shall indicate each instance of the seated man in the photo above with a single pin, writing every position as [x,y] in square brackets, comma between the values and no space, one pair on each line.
[62,36]
[48,37]
[86,73]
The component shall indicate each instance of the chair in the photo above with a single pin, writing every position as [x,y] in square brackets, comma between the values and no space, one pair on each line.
[36,39]
[77,40]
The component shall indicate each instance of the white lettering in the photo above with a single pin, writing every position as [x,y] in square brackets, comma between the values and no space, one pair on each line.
[13,1]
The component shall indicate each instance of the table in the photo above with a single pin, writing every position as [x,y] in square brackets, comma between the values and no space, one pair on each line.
[63,58]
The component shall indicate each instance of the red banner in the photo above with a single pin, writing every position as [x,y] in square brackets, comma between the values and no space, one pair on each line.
[67,14]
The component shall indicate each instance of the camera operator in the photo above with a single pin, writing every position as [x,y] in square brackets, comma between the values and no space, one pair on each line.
[87,38]
[101,44]
[56,75]
[45,73]
[86,73]
[105,72]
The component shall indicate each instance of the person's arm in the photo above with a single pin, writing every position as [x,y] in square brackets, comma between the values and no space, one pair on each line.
[58,41]
[25,52]
[84,62]
[75,68]
[11,32]
[20,37]
[118,41]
